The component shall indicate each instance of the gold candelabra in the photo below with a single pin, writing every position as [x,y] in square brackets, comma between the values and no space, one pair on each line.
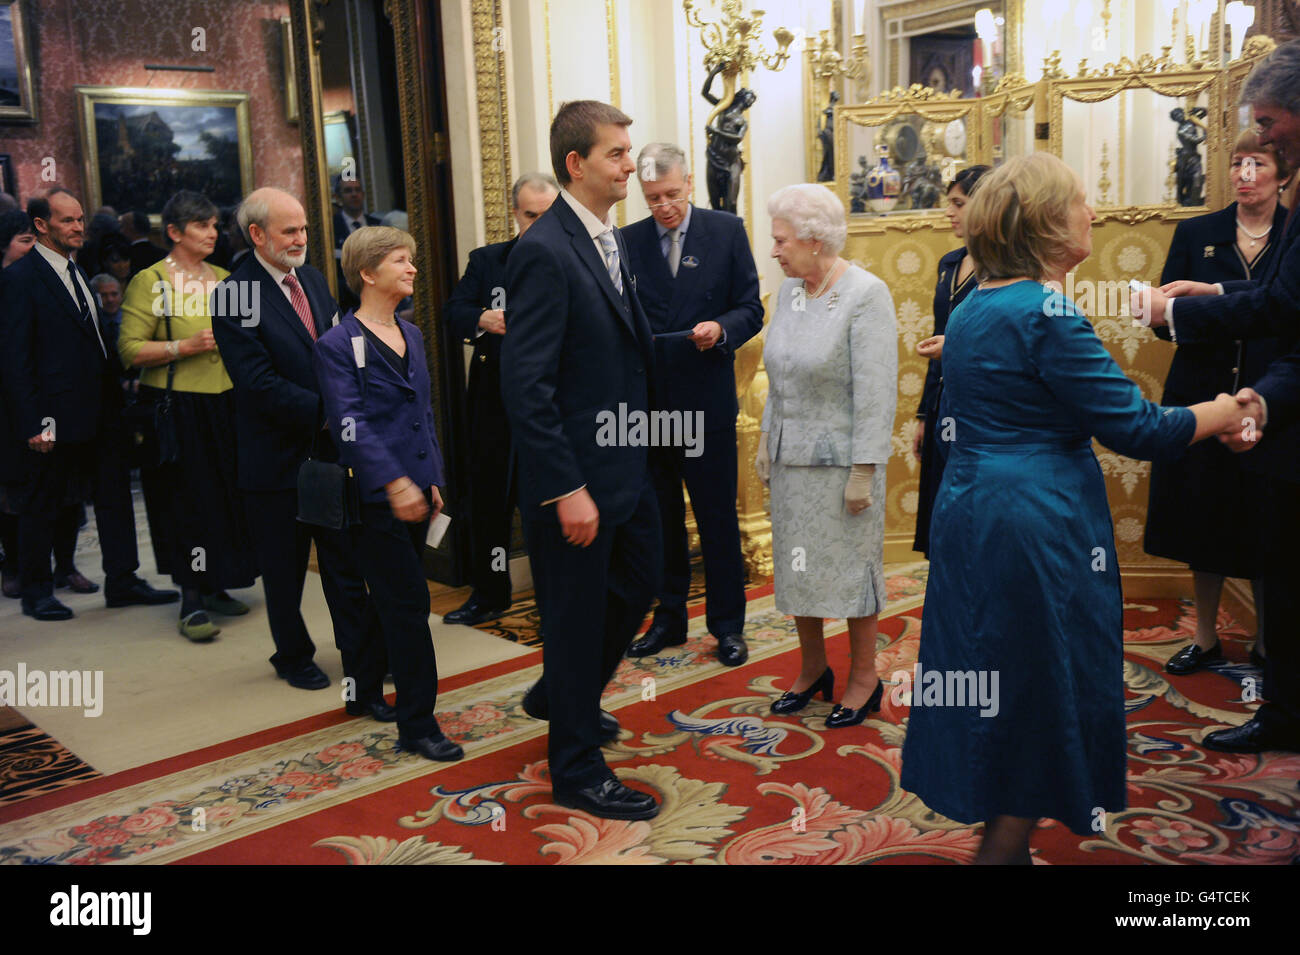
[731,44]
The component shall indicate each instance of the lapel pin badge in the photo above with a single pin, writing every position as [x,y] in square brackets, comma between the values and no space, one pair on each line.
[1209,252]
[690,261]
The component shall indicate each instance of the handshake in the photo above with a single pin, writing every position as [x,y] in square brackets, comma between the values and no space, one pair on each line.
[1244,416]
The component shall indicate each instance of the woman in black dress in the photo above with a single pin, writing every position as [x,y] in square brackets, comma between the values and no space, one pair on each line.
[1207,509]
[956,279]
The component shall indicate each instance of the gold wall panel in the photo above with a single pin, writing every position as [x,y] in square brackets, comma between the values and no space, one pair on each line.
[908,262]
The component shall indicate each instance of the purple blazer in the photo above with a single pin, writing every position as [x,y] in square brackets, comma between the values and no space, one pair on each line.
[382,422]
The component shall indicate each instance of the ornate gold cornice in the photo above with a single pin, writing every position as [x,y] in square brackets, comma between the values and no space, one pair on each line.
[493,123]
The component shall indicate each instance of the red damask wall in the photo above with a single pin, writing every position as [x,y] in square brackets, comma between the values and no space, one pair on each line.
[108,42]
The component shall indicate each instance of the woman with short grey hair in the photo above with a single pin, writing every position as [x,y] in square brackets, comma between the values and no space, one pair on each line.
[832,366]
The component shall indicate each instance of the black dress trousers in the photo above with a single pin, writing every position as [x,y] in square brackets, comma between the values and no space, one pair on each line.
[593,600]
[282,545]
[391,552]
[711,480]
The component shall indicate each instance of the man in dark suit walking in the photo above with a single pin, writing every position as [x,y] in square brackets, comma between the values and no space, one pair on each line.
[350,216]
[266,317]
[697,280]
[135,227]
[62,386]
[476,313]
[1200,312]
[578,353]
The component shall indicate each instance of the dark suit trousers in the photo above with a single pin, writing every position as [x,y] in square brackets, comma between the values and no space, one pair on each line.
[55,481]
[492,506]
[585,636]
[711,481]
[283,545]
[1282,615]
[390,551]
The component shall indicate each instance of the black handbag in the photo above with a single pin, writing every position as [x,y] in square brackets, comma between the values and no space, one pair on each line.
[328,495]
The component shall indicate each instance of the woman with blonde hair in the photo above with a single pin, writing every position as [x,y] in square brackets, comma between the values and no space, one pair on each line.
[377,394]
[1024,588]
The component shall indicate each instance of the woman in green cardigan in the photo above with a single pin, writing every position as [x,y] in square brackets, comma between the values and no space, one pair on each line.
[200,535]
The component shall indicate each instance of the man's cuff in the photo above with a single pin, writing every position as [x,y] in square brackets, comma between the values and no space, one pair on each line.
[563,496]
[723,339]
[1219,286]
[1169,320]
[1264,412]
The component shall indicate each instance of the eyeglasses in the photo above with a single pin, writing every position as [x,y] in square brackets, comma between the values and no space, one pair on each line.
[660,205]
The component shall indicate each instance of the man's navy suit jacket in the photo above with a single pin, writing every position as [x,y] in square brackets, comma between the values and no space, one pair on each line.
[716,281]
[269,358]
[574,348]
[1269,308]
[51,361]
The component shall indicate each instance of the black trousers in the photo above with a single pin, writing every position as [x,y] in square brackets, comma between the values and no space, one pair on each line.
[56,483]
[711,480]
[65,538]
[592,600]
[391,552]
[492,507]
[283,545]
[1281,600]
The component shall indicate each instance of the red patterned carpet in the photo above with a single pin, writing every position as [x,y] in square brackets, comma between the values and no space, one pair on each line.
[738,785]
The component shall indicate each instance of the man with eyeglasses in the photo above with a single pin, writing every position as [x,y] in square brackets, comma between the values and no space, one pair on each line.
[696,278]
[1196,312]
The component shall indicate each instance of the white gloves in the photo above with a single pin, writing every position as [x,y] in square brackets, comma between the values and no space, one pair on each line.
[857,493]
[762,463]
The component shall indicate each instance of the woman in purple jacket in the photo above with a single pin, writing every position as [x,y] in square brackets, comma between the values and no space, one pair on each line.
[375,386]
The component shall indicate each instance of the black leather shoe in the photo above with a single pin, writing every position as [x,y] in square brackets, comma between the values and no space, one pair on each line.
[1252,737]
[655,639]
[609,726]
[379,711]
[609,800]
[76,582]
[46,608]
[732,649]
[11,585]
[471,613]
[792,702]
[138,592]
[438,748]
[307,677]
[843,716]
[1192,658]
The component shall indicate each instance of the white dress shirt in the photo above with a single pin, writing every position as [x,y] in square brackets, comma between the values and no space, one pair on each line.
[60,265]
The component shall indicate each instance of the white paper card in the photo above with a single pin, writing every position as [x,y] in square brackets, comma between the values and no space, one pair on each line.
[437,528]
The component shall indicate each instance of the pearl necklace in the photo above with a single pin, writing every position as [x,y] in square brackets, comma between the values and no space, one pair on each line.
[391,323]
[1254,239]
[826,281]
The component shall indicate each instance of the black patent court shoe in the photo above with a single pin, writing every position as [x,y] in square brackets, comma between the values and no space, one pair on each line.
[843,716]
[792,702]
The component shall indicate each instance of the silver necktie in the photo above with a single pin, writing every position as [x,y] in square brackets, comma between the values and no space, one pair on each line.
[607,243]
[674,251]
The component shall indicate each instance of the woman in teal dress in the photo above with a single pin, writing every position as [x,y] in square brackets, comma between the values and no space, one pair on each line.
[1023,598]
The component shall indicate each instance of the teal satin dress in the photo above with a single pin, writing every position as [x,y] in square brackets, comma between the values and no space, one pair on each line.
[1023,582]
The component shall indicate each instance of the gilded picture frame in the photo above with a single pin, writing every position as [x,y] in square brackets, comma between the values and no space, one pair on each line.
[17,85]
[140,146]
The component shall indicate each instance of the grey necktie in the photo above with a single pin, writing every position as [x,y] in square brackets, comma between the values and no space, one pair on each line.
[610,247]
[674,251]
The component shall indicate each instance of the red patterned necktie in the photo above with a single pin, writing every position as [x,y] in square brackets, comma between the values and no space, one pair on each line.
[299,300]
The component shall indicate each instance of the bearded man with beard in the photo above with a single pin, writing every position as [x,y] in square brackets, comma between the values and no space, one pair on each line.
[266,318]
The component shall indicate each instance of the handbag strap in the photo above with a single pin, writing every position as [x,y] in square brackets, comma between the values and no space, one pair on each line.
[167,320]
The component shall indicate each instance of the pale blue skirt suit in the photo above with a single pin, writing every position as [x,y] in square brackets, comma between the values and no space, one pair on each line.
[832,368]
